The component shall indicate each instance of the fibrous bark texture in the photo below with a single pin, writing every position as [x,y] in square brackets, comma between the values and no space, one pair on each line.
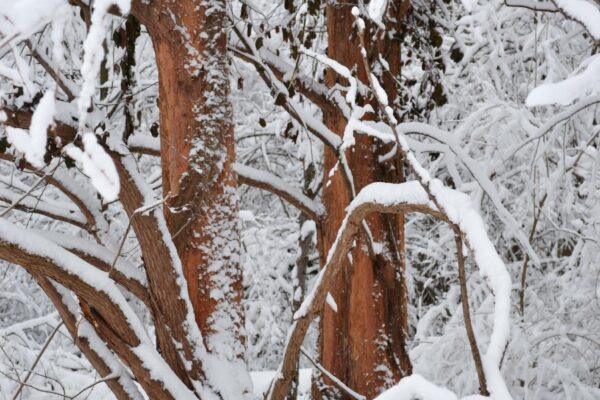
[363,342]
[197,148]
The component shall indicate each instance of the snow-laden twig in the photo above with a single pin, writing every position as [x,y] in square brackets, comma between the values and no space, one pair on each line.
[93,54]
[140,210]
[582,11]
[264,180]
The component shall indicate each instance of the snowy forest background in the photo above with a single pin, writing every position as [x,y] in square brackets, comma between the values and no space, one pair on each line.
[528,160]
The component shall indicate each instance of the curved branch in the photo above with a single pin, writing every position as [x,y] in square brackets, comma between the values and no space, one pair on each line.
[532,5]
[313,303]
[124,273]
[102,304]
[94,349]
[584,13]
[38,255]
[273,184]
[32,205]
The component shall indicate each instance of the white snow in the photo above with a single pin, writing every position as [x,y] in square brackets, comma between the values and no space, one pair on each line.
[144,141]
[23,17]
[309,227]
[583,81]
[583,11]
[262,380]
[469,4]
[97,165]
[377,9]
[331,302]
[42,119]
[415,387]
[93,53]
[381,94]
[33,145]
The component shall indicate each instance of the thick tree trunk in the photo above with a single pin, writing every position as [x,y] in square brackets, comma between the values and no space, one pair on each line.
[197,151]
[363,342]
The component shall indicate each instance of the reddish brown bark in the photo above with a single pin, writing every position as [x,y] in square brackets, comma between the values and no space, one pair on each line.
[363,343]
[197,155]
[197,149]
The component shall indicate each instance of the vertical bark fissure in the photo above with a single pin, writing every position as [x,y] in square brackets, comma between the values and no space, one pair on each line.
[370,330]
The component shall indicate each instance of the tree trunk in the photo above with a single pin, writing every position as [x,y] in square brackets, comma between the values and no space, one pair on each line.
[197,146]
[363,342]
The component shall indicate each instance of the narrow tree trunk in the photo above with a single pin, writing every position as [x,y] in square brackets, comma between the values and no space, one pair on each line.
[363,342]
[197,150]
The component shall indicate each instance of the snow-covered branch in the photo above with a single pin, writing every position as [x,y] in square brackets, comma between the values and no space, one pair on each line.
[271,183]
[533,5]
[88,341]
[108,310]
[375,198]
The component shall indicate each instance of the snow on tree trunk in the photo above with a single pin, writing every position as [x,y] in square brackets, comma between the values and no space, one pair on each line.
[197,167]
[363,342]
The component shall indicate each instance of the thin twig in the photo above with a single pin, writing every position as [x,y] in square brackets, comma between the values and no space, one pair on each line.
[464,299]
[91,385]
[27,193]
[37,360]
[58,78]
[140,210]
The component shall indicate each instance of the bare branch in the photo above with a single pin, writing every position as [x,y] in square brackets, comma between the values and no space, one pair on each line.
[464,297]
[37,359]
